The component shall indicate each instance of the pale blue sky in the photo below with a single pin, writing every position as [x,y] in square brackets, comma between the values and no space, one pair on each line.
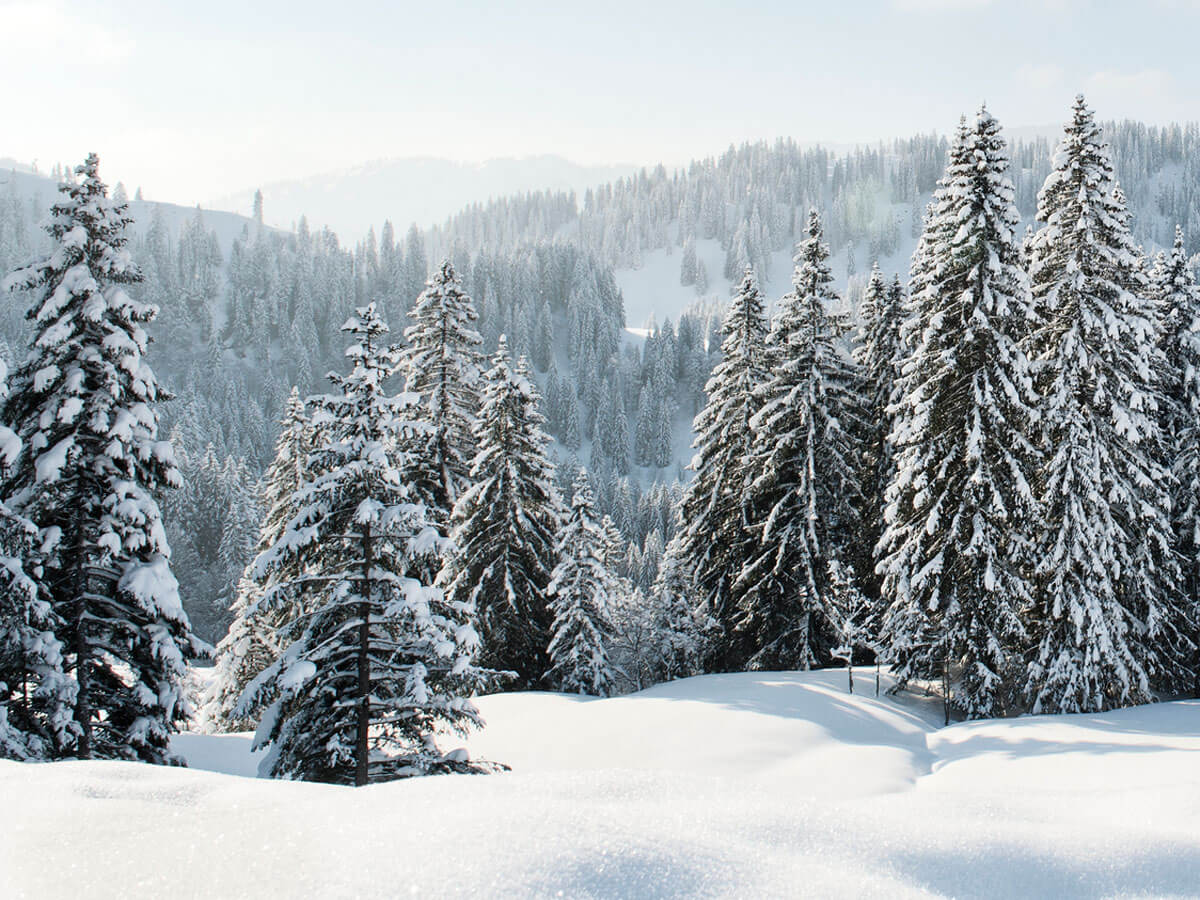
[194,100]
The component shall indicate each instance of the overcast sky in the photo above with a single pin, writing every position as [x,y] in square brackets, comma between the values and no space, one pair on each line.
[195,100]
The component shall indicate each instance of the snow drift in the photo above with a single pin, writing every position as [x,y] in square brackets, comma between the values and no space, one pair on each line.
[772,784]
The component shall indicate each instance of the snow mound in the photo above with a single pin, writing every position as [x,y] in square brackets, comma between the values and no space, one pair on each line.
[764,784]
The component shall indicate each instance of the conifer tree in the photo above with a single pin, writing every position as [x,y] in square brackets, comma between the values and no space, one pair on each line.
[1102,625]
[378,662]
[715,542]
[441,365]
[253,640]
[804,464]
[957,547]
[505,526]
[645,433]
[84,404]
[680,632]
[1178,298]
[663,435]
[878,355]
[687,262]
[570,430]
[579,591]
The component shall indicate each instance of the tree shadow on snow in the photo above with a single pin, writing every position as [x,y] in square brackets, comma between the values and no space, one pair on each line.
[1031,745]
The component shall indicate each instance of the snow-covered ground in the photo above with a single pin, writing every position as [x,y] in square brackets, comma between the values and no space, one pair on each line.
[738,785]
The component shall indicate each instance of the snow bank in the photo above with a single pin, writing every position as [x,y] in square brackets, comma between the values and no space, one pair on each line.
[734,785]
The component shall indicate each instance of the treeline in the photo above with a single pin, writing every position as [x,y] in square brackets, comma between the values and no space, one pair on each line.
[752,199]
[236,332]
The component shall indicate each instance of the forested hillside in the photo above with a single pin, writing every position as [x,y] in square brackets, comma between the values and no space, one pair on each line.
[248,312]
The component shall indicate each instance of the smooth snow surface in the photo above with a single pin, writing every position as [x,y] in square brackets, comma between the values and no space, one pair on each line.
[755,785]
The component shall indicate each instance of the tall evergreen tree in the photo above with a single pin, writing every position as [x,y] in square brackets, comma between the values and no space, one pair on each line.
[957,548]
[1178,298]
[84,403]
[878,354]
[680,632]
[645,432]
[804,464]
[505,526]
[379,661]
[716,544]
[1102,624]
[579,591]
[441,365]
[253,641]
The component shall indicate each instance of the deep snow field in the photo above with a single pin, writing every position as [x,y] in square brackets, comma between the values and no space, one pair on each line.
[752,785]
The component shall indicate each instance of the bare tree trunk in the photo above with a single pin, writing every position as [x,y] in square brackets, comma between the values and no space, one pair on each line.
[946,687]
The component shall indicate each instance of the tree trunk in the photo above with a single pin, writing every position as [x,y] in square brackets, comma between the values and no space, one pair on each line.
[362,746]
[946,687]
[83,681]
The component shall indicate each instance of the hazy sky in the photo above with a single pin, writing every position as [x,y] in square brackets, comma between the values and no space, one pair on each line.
[194,100]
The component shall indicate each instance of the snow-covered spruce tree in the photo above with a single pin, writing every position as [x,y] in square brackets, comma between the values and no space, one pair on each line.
[84,404]
[1178,298]
[579,601]
[877,353]
[505,527]
[958,553]
[254,640]
[715,542]
[1102,626]
[679,632]
[36,695]
[804,461]
[441,365]
[380,662]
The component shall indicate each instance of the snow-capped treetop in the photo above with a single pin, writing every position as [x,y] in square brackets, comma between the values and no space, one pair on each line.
[812,279]
[1084,248]
[441,365]
[1178,299]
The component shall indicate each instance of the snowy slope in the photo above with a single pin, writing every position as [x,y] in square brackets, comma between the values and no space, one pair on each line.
[652,291]
[738,785]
